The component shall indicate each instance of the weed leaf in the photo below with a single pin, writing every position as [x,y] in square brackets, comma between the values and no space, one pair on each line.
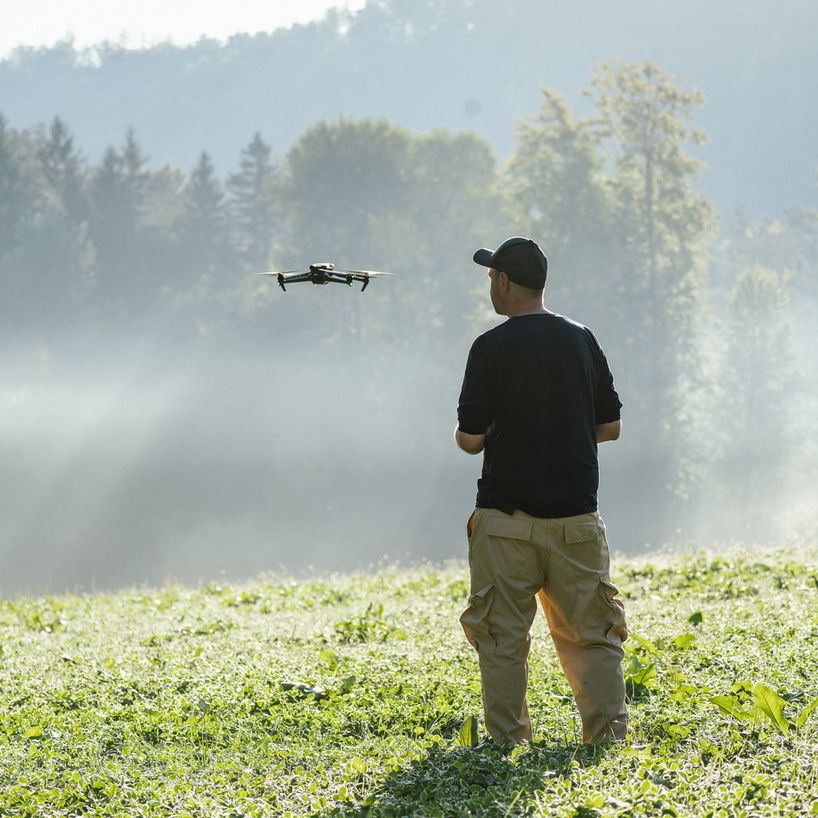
[768,702]
[328,657]
[684,640]
[467,736]
[806,713]
[646,644]
[347,685]
[731,706]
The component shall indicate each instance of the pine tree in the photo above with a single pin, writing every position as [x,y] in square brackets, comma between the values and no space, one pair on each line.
[117,193]
[59,255]
[253,204]
[13,201]
[65,172]
[203,229]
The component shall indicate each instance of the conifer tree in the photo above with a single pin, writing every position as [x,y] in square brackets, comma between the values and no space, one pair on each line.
[117,195]
[253,204]
[59,253]
[12,194]
[65,172]
[203,228]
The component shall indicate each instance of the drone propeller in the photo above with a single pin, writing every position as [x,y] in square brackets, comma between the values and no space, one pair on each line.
[366,272]
[282,273]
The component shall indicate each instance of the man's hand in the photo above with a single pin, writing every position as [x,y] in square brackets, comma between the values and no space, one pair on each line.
[608,431]
[471,444]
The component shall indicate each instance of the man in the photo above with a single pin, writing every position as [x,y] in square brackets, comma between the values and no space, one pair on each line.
[537,398]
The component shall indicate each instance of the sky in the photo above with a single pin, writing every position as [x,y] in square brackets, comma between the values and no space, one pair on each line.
[139,23]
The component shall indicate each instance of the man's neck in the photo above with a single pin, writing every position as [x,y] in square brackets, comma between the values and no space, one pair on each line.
[527,309]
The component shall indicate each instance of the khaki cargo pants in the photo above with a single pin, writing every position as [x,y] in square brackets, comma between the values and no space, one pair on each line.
[515,558]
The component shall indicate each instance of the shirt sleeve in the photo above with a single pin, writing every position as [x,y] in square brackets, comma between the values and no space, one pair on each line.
[475,409]
[607,406]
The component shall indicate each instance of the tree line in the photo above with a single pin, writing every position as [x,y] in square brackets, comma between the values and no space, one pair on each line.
[707,326]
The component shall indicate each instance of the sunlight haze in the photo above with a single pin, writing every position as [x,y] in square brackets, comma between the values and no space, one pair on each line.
[44,22]
[168,416]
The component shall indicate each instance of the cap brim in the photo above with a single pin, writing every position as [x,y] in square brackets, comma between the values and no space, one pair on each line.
[483,257]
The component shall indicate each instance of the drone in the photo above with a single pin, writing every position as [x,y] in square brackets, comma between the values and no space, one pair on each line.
[324,272]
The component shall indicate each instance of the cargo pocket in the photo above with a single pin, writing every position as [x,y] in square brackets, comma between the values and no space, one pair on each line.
[614,611]
[509,528]
[575,573]
[581,532]
[475,620]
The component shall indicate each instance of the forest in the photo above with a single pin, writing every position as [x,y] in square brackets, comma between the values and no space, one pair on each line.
[321,416]
[435,63]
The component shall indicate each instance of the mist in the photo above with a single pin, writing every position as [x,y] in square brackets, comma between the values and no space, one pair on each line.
[152,461]
[168,415]
[143,466]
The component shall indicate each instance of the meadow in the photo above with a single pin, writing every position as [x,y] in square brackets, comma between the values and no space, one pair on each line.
[357,695]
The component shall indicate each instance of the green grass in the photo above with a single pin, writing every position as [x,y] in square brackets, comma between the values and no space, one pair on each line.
[347,696]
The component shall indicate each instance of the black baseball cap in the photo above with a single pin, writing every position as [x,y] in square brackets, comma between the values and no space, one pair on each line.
[520,259]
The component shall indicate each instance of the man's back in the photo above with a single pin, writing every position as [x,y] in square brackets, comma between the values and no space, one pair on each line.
[538,385]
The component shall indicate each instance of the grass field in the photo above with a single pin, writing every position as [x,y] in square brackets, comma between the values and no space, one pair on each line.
[351,696]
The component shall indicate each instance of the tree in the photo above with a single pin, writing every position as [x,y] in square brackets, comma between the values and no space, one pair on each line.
[762,407]
[456,205]
[253,205]
[13,200]
[203,226]
[559,193]
[134,216]
[344,184]
[367,193]
[660,271]
[59,255]
[342,179]
[45,252]
[788,242]
[665,224]
[611,196]
[628,237]
[65,172]
[115,199]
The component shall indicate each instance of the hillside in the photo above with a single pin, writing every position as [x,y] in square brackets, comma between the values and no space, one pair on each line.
[347,696]
[474,65]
